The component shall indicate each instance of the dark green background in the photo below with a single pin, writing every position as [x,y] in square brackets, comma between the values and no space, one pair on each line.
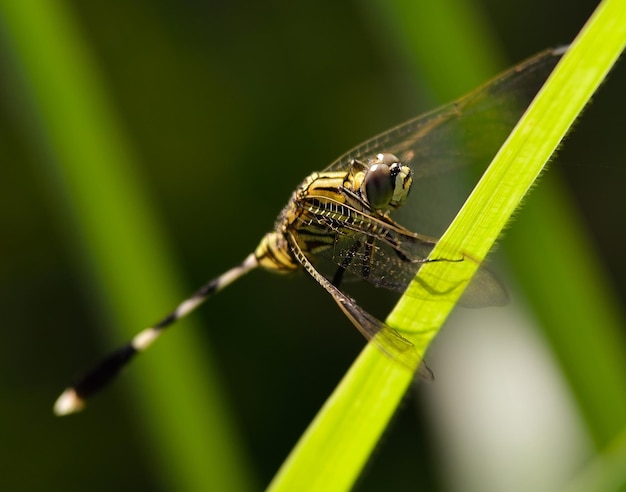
[228,105]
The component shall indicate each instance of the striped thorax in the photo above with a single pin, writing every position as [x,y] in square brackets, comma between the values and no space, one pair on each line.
[328,203]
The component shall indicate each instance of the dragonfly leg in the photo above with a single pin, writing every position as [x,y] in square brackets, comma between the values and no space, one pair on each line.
[392,343]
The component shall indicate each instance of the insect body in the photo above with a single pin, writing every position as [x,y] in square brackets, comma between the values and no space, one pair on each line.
[341,216]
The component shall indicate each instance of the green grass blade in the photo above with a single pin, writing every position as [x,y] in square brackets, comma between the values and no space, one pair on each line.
[333,451]
[178,401]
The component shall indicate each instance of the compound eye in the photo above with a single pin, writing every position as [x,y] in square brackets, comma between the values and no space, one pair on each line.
[378,186]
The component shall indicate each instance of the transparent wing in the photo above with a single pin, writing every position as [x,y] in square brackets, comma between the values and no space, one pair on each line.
[468,131]
[388,340]
[386,255]
[388,258]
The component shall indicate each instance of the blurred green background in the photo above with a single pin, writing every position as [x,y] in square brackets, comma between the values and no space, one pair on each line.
[226,106]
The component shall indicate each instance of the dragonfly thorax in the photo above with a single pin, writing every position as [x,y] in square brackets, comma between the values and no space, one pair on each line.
[386,183]
[330,204]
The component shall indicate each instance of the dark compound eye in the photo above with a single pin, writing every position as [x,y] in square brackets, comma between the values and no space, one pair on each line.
[387,182]
[378,186]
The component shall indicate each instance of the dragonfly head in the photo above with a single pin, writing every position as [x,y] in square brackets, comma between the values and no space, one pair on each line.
[387,182]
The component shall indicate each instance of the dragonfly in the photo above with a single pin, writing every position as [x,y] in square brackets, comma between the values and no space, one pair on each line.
[338,223]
